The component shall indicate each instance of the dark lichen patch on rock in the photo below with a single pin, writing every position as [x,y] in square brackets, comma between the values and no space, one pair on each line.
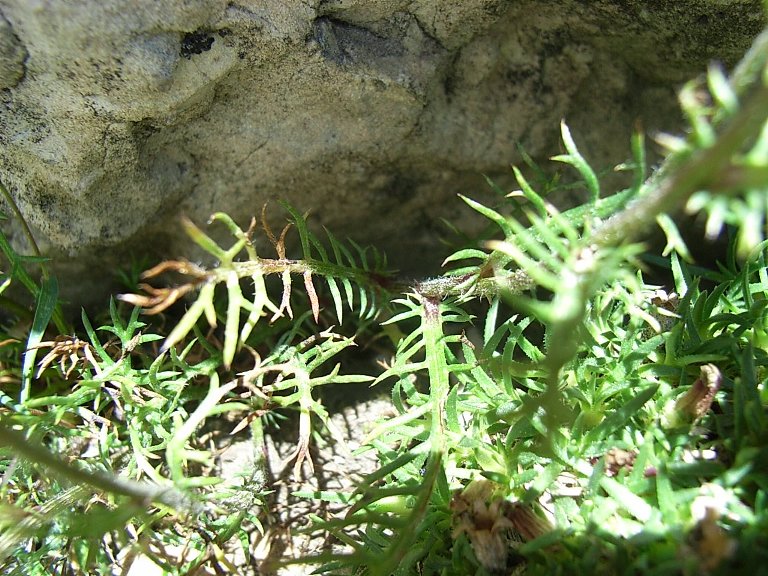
[344,43]
[196,42]
[12,56]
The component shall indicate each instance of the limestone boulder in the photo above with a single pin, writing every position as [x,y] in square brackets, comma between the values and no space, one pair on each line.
[118,116]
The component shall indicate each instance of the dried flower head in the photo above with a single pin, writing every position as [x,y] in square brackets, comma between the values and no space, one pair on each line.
[480,515]
[68,352]
[493,523]
[710,542]
[526,522]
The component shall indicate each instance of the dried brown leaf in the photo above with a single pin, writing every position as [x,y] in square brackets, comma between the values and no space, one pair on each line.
[280,246]
[69,352]
[157,299]
[312,295]
[285,302]
[180,266]
[265,226]
[526,522]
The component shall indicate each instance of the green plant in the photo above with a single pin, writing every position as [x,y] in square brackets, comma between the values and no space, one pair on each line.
[555,412]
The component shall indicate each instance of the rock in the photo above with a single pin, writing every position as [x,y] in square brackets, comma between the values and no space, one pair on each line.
[372,114]
[12,56]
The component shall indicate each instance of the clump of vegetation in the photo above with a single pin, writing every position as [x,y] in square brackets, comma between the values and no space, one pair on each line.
[553,411]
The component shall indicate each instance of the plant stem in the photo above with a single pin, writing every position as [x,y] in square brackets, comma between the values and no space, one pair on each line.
[752,65]
[703,169]
[438,370]
[108,483]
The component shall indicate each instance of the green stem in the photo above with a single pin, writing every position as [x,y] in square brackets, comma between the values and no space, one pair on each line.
[437,368]
[738,178]
[108,483]
[175,452]
[394,555]
[702,169]
[752,65]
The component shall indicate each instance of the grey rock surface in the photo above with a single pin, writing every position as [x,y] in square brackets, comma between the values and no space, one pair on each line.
[118,116]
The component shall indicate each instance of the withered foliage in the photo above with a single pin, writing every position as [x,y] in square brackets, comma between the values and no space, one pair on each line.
[493,523]
[157,300]
[697,401]
[68,352]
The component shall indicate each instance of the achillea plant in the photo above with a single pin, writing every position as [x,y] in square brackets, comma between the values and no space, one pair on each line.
[553,411]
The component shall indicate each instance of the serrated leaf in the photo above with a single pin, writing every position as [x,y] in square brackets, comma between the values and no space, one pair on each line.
[338,303]
[256,308]
[203,305]
[627,499]
[621,415]
[301,227]
[466,254]
[451,411]
[575,159]
[203,240]
[492,215]
[666,496]
[411,313]
[721,90]
[362,252]
[489,326]
[529,193]
[675,242]
[400,370]
[531,266]
[363,297]
[232,324]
